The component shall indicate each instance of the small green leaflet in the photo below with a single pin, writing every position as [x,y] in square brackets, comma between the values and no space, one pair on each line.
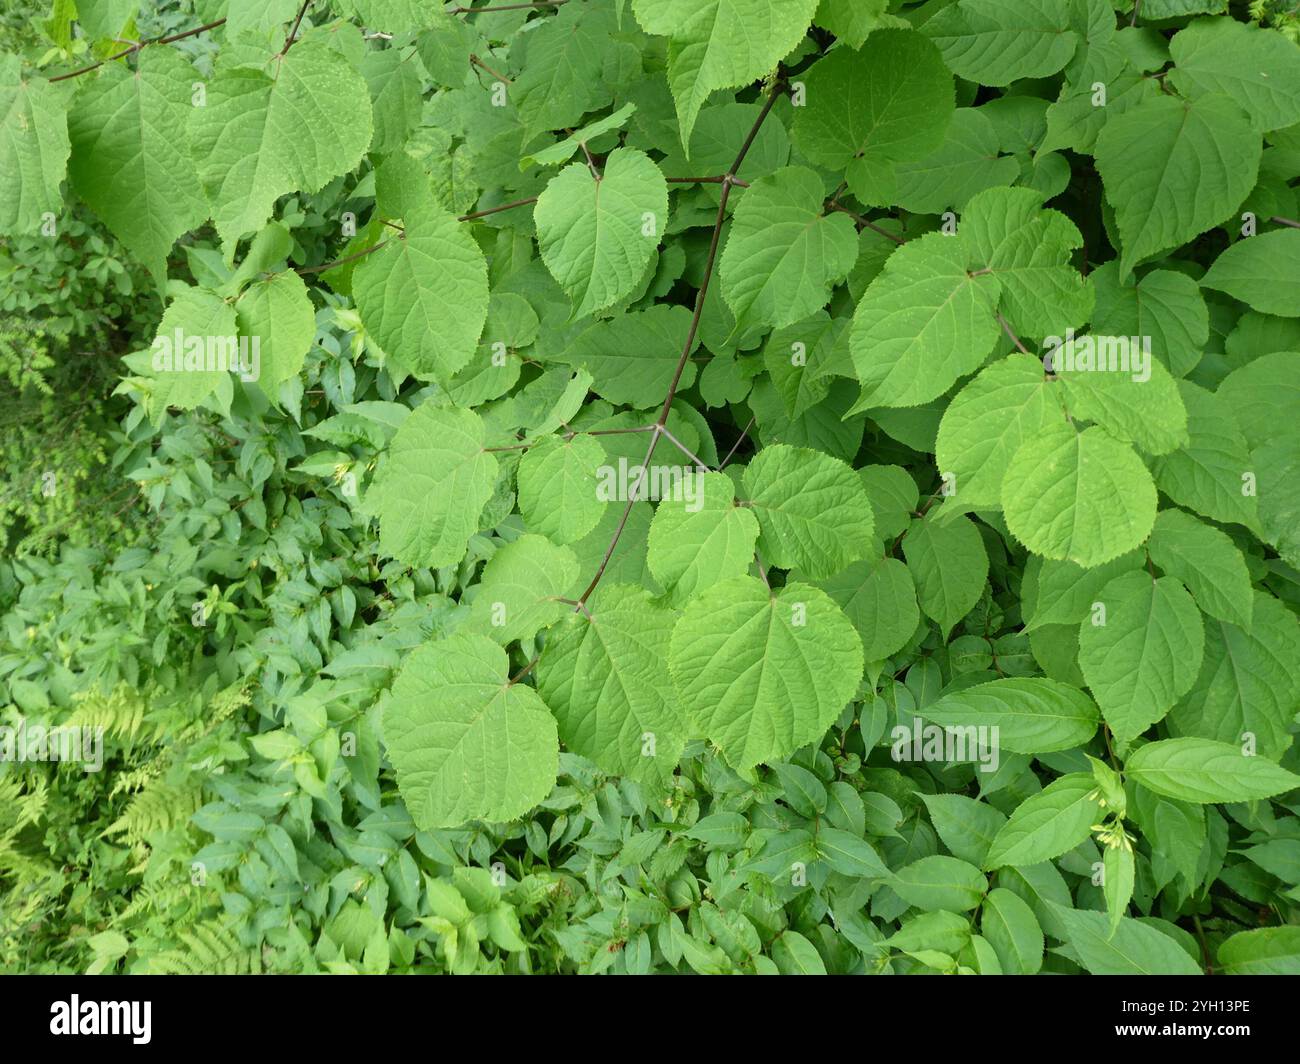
[597,236]
[950,565]
[1083,496]
[467,744]
[785,250]
[1173,168]
[604,673]
[719,44]
[1260,270]
[559,493]
[1009,403]
[1203,770]
[922,324]
[1033,715]
[1009,924]
[520,589]
[424,294]
[692,547]
[1048,824]
[1262,951]
[812,509]
[1135,948]
[1207,561]
[890,101]
[733,655]
[432,486]
[1145,652]
[940,882]
[279,315]
[878,596]
[996,42]
[1249,681]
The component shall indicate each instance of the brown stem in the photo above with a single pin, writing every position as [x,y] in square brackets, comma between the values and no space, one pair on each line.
[1278,220]
[1006,328]
[463,10]
[479,63]
[293,33]
[591,163]
[141,44]
[866,224]
[494,210]
[339,262]
[736,445]
[728,183]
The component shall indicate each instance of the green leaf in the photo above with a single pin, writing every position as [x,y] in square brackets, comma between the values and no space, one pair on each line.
[34,148]
[922,324]
[1078,496]
[996,42]
[604,673]
[1135,948]
[878,596]
[812,509]
[785,251]
[851,20]
[279,315]
[1118,870]
[289,127]
[889,102]
[1047,825]
[721,44]
[632,358]
[950,565]
[516,595]
[1261,951]
[561,67]
[195,323]
[1145,653]
[130,158]
[1257,68]
[1162,304]
[1173,168]
[1028,250]
[434,483]
[424,294]
[1009,403]
[1012,929]
[1249,681]
[1032,715]
[558,489]
[695,544]
[597,236]
[940,882]
[1138,402]
[1065,592]
[1259,270]
[965,163]
[1202,770]
[849,855]
[1207,561]
[487,752]
[1207,475]
[1261,396]
[564,150]
[967,827]
[736,653]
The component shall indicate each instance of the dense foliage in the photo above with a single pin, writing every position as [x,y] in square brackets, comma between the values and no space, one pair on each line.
[668,485]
